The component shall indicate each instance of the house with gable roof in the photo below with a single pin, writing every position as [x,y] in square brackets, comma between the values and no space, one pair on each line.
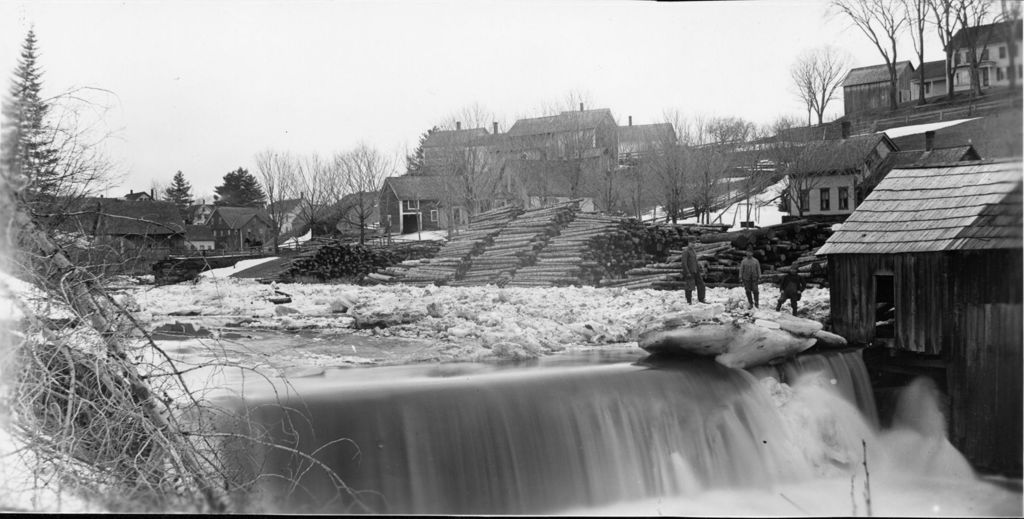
[826,178]
[412,203]
[240,228]
[866,89]
[998,52]
[568,135]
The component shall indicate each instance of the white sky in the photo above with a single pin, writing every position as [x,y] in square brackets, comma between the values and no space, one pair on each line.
[202,86]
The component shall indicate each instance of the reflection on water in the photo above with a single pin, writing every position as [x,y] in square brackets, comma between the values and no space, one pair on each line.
[600,432]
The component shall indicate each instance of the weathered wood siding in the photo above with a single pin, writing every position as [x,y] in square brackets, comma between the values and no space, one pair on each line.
[931,290]
[964,307]
[985,389]
[390,210]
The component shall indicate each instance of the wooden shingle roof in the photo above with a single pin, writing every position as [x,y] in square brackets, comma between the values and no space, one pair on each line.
[838,155]
[418,187]
[967,206]
[874,74]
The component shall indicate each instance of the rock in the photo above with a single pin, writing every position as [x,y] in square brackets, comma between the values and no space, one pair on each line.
[828,340]
[790,323]
[514,351]
[345,302]
[279,300]
[186,312]
[459,332]
[736,345]
[285,310]
[371,319]
[756,346]
[303,371]
[434,310]
[179,332]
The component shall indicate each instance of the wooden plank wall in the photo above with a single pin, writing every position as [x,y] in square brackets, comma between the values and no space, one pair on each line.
[985,387]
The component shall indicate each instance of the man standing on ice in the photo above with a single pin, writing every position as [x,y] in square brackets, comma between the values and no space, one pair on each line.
[692,269]
[750,275]
[791,286]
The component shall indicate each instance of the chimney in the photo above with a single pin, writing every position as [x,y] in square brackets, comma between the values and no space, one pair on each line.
[581,107]
[631,120]
[495,127]
[929,140]
[152,193]
[458,125]
[846,129]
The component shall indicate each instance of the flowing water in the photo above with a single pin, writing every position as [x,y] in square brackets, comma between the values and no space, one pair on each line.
[618,434]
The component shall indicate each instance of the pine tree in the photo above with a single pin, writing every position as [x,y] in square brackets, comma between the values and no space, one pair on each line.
[240,188]
[179,192]
[414,162]
[27,148]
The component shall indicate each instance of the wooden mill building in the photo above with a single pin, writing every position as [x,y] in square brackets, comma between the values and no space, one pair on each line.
[927,272]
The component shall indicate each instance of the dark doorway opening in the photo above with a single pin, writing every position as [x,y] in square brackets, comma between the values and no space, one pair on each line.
[410,223]
[885,306]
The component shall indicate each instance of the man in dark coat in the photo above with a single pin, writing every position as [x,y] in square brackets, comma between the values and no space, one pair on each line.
[692,269]
[750,276]
[791,286]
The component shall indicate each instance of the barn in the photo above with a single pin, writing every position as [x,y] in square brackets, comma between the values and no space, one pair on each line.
[927,273]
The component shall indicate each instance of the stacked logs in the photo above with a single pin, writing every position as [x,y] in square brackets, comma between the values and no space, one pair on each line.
[666,275]
[774,246]
[517,245]
[452,259]
[720,254]
[561,262]
[338,260]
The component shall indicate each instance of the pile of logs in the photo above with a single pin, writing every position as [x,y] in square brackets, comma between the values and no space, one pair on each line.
[720,254]
[452,259]
[774,246]
[516,245]
[668,274]
[561,262]
[338,260]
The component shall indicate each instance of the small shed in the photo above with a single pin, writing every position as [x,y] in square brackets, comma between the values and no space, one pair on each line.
[929,270]
[240,228]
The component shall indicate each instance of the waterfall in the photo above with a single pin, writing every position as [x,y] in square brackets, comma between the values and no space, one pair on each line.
[554,439]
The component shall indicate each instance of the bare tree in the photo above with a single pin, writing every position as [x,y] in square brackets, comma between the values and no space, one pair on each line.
[881,21]
[944,17]
[571,101]
[322,184]
[818,74]
[671,166]
[473,115]
[716,140]
[916,12]
[365,169]
[973,13]
[277,172]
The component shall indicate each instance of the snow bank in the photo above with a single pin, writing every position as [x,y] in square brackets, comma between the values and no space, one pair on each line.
[238,267]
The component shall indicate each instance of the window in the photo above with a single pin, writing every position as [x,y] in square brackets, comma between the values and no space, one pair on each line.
[1002,52]
[844,198]
[927,88]
[457,214]
[433,215]
[805,199]
[984,54]
[984,77]
[999,74]
[824,198]
[411,205]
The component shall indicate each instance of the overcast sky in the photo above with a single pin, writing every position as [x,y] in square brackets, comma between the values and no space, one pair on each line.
[202,86]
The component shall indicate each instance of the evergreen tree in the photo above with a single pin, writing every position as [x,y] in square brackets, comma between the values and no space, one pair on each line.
[240,188]
[179,192]
[414,162]
[27,148]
